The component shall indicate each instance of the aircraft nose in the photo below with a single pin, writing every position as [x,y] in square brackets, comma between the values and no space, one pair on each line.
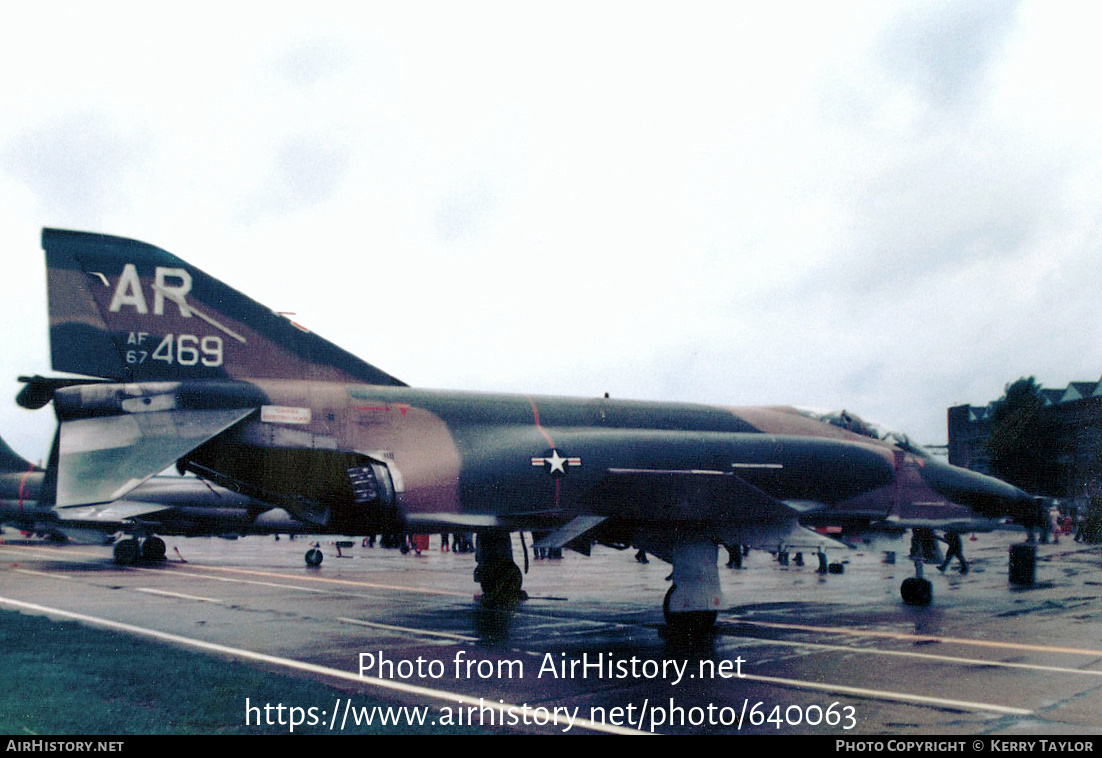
[984,494]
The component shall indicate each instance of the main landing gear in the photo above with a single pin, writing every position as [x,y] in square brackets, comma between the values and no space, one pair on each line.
[499,576]
[687,623]
[130,550]
[691,605]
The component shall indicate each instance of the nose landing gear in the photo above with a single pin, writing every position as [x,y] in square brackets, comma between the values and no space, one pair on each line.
[917,590]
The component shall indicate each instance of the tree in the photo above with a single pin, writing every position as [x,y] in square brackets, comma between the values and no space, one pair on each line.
[1023,444]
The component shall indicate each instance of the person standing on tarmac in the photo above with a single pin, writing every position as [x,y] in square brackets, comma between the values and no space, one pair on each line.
[952,540]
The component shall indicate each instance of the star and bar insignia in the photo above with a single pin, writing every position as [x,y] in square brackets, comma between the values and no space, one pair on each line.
[555,463]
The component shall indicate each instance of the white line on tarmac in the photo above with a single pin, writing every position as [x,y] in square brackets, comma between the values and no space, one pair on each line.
[567,622]
[386,627]
[24,550]
[46,574]
[316,590]
[409,630]
[360,622]
[258,583]
[928,656]
[901,697]
[180,595]
[452,698]
[921,638]
[842,689]
[552,621]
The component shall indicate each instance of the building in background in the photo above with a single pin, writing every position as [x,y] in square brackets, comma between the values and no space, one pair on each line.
[1073,417]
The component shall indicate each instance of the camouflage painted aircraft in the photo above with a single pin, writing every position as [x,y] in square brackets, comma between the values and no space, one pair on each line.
[183,506]
[193,373]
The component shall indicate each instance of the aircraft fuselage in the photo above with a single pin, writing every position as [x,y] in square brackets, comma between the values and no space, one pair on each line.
[532,461]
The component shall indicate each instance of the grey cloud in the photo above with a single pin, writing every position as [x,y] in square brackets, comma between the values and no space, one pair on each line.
[311,61]
[463,214]
[311,171]
[305,172]
[944,49]
[950,207]
[75,164]
[939,211]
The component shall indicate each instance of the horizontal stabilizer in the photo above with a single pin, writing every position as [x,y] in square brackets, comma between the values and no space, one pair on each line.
[104,457]
[110,513]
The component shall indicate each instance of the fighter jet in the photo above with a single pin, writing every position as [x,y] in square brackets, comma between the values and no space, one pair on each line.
[190,372]
[182,506]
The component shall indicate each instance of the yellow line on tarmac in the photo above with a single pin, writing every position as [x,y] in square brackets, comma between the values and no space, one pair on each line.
[53,551]
[256,583]
[327,580]
[36,551]
[254,572]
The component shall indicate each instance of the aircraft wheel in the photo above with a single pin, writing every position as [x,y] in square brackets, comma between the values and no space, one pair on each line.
[687,623]
[916,591]
[126,552]
[153,549]
[501,583]
[314,557]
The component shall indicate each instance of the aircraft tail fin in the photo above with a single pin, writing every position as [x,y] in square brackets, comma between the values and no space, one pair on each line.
[12,462]
[127,311]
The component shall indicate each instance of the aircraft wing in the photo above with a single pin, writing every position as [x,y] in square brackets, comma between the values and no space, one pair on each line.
[953,523]
[466,522]
[576,528]
[693,495]
[663,505]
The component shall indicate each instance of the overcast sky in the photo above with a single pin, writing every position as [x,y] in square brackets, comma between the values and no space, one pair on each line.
[886,207]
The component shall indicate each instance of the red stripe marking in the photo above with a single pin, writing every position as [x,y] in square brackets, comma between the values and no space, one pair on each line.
[551,442]
[22,486]
[536,414]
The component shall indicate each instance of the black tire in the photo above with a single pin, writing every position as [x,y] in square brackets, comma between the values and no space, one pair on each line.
[127,552]
[687,623]
[314,557]
[916,591]
[501,583]
[153,549]
[666,603]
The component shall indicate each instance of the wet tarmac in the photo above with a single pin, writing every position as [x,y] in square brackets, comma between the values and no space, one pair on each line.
[796,652]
